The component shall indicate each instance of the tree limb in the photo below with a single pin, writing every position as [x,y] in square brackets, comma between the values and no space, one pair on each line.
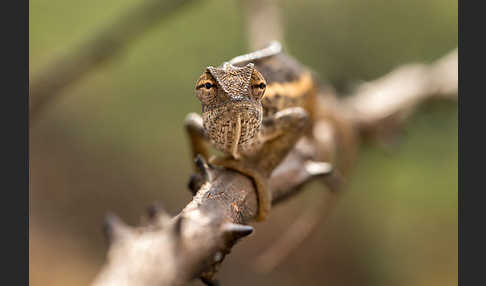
[173,251]
[193,243]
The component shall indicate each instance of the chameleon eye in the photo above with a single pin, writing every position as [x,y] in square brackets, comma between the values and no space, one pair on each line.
[258,90]
[208,85]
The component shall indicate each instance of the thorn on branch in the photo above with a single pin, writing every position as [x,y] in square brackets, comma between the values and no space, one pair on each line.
[152,211]
[204,168]
[195,183]
[204,174]
[233,231]
[177,226]
[318,168]
[157,213]
[114,228]
[209,282]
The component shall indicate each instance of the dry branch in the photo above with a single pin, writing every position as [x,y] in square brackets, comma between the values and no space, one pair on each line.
[192,244]
[377,110]
[263,18]
[380,106]
[106,45]
[296,233]
[173,251]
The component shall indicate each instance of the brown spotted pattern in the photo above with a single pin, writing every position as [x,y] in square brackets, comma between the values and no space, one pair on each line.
[220,125]
[240,96]
[232,110]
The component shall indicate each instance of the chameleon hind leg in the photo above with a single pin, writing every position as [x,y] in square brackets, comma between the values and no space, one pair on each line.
[197,135]
[279,134]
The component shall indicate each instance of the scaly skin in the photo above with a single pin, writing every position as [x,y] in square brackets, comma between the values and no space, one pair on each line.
[259,102]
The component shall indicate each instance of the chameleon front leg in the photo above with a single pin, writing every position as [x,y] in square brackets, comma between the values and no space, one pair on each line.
[197,136]
[279,135]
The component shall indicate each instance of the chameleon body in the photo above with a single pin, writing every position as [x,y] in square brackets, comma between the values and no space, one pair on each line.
[248,101]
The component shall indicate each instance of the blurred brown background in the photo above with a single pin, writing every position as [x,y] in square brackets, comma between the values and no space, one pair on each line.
[114,141]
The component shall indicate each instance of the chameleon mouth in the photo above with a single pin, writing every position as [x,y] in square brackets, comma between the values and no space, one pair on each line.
[232,129]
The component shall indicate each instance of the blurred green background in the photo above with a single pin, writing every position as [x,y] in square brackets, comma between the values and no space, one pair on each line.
[114,141]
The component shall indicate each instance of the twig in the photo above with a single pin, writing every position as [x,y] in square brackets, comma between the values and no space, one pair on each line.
[380,106]
[263,22]
[296,233]
[106,45]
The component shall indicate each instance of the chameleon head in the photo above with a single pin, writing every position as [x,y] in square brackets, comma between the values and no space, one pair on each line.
[231,106]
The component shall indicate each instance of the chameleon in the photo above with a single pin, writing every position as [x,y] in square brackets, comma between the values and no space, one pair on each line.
[248,101]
